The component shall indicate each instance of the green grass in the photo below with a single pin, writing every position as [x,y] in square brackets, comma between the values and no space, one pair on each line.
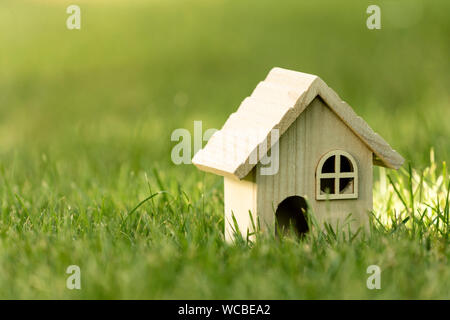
[85,124]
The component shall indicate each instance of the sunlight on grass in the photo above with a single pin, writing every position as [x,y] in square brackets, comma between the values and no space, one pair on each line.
[414,198]
[85,123]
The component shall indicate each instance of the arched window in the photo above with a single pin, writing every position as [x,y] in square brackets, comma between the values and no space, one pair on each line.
[337,176]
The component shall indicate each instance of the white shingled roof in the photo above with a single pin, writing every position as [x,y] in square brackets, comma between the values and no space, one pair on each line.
[276,103]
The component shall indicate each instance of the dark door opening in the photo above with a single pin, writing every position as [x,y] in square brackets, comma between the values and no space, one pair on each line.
[291,213]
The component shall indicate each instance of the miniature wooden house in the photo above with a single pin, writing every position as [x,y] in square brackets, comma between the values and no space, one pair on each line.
[325,155]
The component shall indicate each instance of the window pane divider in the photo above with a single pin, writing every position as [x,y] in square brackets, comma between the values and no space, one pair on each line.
[346,175]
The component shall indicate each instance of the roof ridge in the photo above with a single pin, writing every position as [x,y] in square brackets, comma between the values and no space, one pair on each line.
[292,91]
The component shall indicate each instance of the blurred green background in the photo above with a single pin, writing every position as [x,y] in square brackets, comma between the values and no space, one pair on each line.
[85,123]
[137,70]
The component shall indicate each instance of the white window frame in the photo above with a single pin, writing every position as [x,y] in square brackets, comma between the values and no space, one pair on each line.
[336,175]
